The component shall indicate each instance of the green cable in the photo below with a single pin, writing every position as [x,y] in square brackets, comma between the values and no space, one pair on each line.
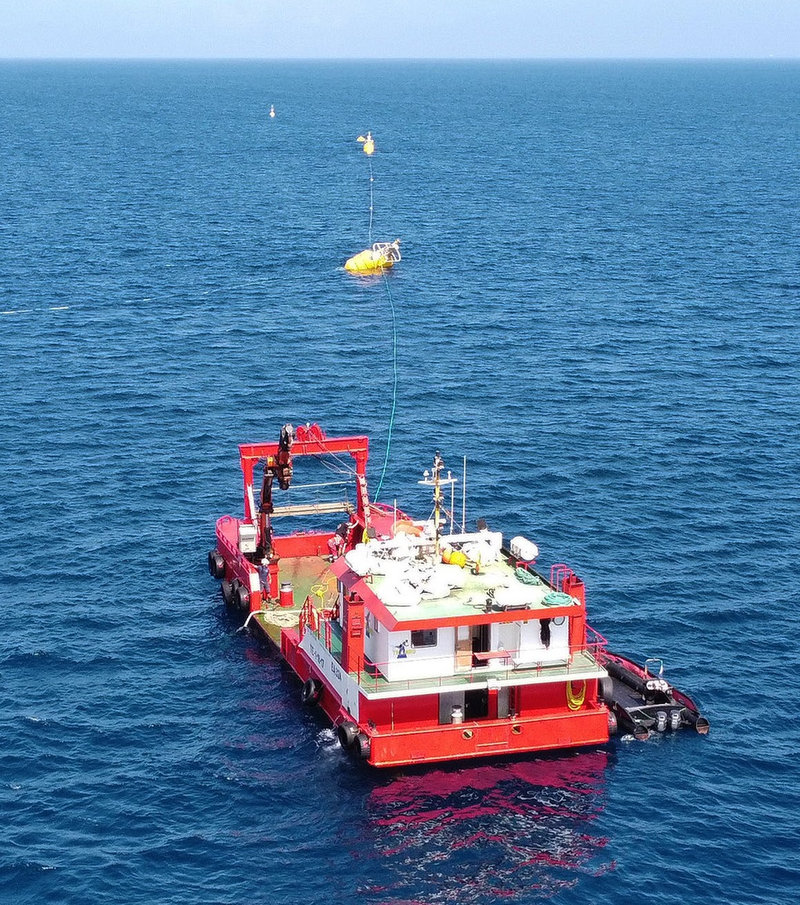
[394,388]
[557,598]
[526,577]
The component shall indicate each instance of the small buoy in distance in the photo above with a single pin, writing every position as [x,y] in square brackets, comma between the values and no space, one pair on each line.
[368,142]
[272,111]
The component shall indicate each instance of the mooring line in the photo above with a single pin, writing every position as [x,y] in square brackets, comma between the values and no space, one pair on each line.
[394,381]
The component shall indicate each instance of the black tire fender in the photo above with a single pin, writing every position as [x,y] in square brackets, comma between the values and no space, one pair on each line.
[227,592]
[216,564]
[363,745]
[347,733]
[311,691]
[241,599]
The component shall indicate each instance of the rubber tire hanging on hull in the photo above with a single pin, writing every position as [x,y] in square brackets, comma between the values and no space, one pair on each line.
[363,745]
[235,585]
[310,692]
[347,734]
[227,592]
[241,599]
[216,564]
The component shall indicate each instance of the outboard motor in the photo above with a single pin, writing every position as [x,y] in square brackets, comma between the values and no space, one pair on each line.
[657,691]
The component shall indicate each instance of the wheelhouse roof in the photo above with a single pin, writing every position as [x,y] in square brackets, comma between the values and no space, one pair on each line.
[467,605]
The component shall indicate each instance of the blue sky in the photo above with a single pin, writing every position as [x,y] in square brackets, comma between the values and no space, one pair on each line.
[407,28]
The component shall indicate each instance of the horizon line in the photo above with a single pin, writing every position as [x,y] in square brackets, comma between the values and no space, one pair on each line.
[307,59]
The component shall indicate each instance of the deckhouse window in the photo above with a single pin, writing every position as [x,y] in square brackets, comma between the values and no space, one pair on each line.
[425,637]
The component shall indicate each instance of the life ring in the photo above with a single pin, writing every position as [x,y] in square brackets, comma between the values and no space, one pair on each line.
[575,701]
[310,692]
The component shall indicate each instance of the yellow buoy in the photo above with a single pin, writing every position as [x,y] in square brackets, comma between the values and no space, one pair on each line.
[368,142]
[381,256]
[453,557]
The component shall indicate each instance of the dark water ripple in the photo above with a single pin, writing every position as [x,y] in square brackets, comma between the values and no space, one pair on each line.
[598,305]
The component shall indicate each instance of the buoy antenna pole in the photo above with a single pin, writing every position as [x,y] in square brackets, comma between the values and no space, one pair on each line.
[371,205]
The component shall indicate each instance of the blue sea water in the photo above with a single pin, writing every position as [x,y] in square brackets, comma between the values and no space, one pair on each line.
[598,305]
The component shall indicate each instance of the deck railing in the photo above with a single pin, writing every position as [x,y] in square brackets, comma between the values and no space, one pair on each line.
[370,678]
[499,664]
[595,642]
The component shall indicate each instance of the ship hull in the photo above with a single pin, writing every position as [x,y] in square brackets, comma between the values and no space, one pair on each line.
[401,731]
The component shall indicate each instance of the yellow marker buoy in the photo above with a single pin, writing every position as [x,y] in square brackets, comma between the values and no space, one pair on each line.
[368,142]
[381,256]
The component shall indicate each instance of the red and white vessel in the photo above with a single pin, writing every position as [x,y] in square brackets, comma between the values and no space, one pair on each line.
[423,642]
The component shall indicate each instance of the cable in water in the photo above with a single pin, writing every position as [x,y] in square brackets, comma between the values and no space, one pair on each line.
[369,149]
[394,382]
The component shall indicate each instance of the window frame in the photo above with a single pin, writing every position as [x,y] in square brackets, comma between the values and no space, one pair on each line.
[429,632]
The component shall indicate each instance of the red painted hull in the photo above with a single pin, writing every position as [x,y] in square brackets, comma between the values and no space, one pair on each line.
[413,742]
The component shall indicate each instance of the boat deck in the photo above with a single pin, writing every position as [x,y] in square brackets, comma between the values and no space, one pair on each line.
[470,594]
[310,576]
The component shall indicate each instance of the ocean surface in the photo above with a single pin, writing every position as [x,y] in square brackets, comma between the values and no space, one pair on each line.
[598,305]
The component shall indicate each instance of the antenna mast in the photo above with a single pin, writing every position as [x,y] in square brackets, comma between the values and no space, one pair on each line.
[434,479]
